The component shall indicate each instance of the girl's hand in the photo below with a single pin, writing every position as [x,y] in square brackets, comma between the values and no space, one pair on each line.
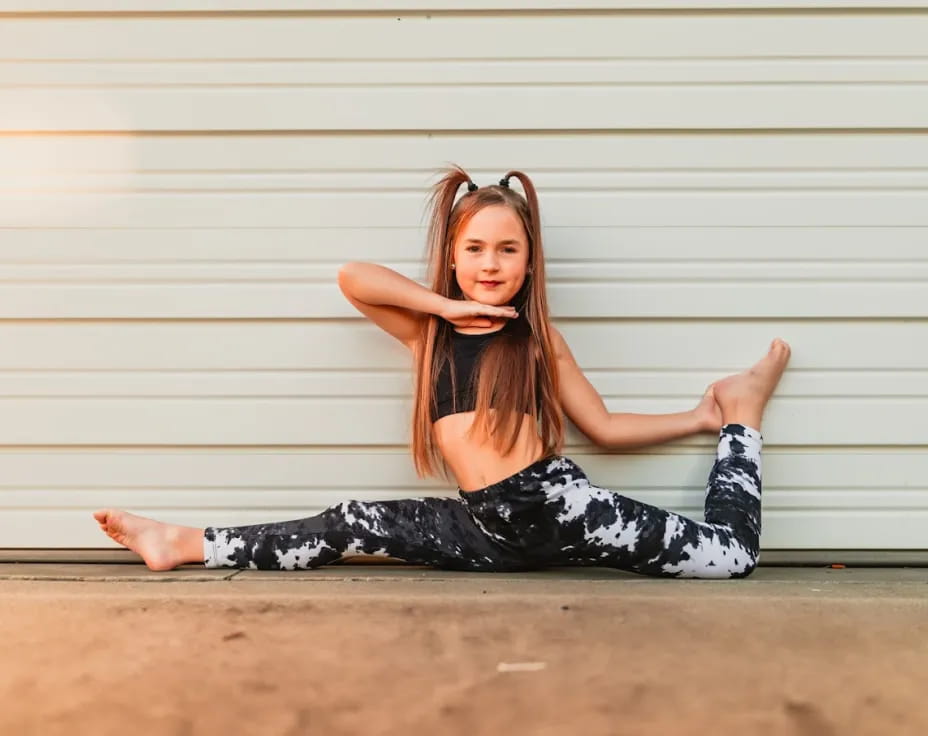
[708,412]
[462,313]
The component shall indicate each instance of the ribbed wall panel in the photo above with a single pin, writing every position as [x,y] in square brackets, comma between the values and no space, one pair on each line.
[180,181]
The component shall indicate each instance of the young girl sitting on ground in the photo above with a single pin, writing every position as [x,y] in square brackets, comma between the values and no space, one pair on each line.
[493,381]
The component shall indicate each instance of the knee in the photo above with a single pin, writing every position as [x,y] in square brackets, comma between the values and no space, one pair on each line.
[724,568]
[748,568]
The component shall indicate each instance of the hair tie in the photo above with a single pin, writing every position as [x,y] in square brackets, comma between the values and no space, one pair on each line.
[504,182]
[471,187]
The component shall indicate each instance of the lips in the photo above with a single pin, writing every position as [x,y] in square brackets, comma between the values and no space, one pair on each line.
[491,283]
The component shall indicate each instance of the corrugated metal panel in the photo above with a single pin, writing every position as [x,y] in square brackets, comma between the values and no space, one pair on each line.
[466,72]
[178,191]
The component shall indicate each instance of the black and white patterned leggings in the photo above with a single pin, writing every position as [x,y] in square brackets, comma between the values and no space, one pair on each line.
[547,514]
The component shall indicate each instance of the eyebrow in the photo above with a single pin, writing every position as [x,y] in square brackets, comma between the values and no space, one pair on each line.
[501,242]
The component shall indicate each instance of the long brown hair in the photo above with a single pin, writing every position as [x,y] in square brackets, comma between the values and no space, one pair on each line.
[516,368]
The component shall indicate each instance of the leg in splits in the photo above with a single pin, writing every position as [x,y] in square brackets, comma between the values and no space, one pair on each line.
[600,527]
[439,532]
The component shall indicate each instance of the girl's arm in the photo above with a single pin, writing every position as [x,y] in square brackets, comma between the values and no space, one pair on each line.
[398,305]
[393,302]
[629,431]
[585,408]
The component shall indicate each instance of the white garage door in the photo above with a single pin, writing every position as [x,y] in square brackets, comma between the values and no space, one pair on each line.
[179,189]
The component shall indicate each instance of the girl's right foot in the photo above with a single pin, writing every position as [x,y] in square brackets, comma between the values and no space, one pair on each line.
[743,396]
[157,543]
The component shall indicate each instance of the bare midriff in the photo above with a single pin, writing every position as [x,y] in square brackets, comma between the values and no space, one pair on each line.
[474,462]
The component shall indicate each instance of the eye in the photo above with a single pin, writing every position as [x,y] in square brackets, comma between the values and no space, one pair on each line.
[473,247]
[510,249]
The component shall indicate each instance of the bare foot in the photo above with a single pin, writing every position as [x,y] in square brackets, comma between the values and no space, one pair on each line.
[154,541]
[743,396]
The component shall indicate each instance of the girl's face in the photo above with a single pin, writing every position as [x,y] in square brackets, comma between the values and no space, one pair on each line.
[491,247]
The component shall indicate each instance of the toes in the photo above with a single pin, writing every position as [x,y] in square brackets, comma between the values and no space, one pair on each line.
[779,345]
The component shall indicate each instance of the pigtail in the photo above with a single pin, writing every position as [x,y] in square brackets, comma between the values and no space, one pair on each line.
[539,302]
[440,203]
[434,344]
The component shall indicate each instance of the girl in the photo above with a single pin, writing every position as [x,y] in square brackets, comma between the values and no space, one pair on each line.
[493,377]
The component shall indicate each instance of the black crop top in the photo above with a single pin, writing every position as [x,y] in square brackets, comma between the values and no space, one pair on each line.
[466,350]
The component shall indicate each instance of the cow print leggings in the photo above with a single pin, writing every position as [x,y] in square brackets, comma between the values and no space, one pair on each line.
[547,514]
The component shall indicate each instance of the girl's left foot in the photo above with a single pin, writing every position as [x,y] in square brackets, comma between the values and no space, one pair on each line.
[743,396]
[154,541]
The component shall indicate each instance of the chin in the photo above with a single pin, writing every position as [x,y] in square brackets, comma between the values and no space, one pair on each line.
[478,293]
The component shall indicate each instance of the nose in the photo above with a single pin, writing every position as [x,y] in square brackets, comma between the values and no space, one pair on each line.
[491,263]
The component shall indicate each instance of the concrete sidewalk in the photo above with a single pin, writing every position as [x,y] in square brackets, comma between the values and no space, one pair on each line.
[384,649]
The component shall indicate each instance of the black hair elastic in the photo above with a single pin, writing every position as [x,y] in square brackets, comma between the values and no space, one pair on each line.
[504,182]
[471,187]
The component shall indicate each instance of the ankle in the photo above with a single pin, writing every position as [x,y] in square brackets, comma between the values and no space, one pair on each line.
[191,547]
[747,415]
[186,543]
